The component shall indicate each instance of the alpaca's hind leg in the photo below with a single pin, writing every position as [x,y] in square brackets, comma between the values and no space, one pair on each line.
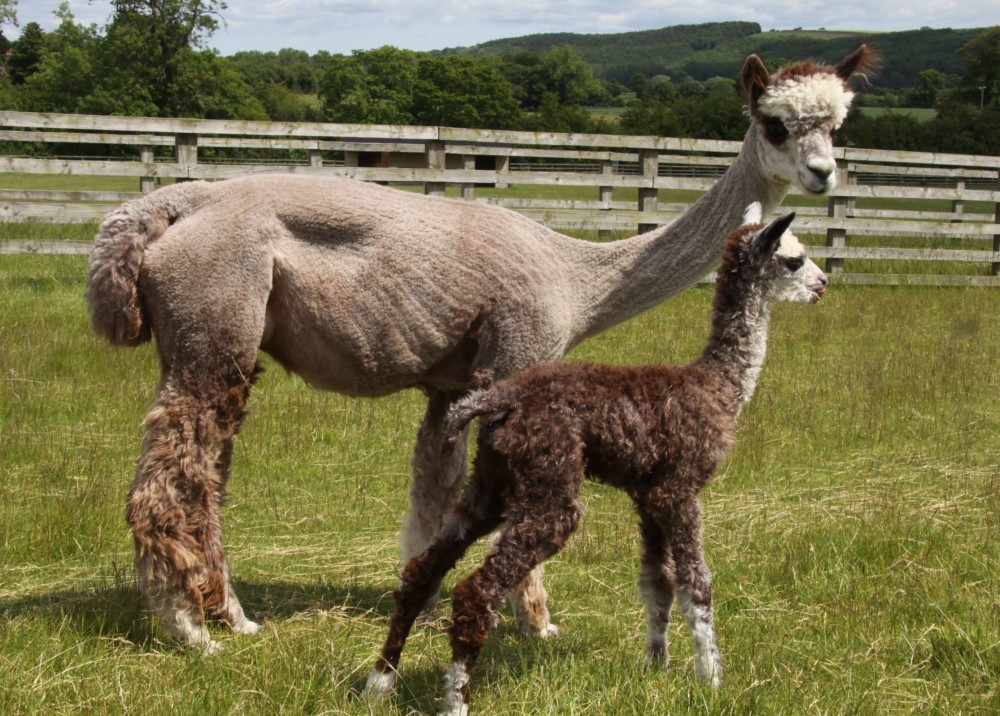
[528,540]
[476,515]
[224,604]
[656,587]
[174,507]
[694,594]
[438,476]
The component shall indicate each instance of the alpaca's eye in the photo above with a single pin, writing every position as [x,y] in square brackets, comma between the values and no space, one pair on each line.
[775,130]
[794,264]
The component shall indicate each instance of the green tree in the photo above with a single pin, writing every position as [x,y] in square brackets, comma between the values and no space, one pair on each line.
[26,53]
[982,62]
[66,71]
[370,86]
[458,91]
[155,40]
[559,71]
[8,13]
[930,86]
[8,16]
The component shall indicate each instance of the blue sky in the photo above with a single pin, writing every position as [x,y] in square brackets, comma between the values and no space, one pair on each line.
[340,26]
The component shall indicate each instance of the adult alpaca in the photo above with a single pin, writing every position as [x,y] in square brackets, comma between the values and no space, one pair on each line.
[656,432]
[367,290]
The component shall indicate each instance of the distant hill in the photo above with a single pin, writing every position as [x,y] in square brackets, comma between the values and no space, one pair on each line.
[719,48]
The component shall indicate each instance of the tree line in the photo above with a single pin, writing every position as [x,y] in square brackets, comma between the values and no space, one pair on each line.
[151,59]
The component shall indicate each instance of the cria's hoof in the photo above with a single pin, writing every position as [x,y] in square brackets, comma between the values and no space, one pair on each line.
[379,684]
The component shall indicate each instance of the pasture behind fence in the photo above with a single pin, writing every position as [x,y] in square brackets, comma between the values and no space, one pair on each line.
[895,217]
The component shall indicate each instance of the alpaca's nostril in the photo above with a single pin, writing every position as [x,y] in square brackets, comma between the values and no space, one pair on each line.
[821,173]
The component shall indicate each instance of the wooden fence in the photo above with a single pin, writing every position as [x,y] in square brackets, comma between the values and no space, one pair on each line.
[895,217]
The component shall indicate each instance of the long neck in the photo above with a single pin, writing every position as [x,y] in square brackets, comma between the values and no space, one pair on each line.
[741,315]
[627,277]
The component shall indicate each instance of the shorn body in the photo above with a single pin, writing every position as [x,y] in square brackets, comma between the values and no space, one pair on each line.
[655,432]
[367,290]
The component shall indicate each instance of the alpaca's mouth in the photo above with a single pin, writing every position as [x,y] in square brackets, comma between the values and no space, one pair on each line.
[818,292]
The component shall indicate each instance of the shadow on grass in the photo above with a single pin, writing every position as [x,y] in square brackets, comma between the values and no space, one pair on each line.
[121,612]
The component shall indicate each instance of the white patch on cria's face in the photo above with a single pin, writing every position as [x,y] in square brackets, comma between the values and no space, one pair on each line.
[798,279]
[803,102]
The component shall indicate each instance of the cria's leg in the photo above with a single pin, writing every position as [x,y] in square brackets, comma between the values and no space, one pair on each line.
[475,515]
[694,593]
[528,540]
[174,508]
[438,476]
[656,587]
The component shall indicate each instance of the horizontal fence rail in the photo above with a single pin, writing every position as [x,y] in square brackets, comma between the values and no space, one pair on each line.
[890,213]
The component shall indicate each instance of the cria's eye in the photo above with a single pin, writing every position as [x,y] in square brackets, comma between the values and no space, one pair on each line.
[775,130]
[794,264]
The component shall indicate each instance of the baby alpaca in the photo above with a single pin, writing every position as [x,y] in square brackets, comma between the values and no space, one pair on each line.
[657,432]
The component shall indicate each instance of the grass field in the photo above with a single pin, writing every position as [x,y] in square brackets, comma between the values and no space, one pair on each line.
[852,534]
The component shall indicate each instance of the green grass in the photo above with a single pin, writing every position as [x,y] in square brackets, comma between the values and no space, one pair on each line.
[852,534]
[922,114]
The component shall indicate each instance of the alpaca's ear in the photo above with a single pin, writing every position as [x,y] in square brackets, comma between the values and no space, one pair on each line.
[860,60]
[767,240]
[754,78]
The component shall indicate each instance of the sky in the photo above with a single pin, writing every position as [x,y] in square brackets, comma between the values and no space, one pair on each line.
[341,26]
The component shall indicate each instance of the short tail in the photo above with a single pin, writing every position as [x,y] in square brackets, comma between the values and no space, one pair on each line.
[113,299]
[470,407]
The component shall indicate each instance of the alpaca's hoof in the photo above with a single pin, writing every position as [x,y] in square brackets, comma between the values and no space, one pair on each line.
[549,631]
[460,710]
[246,627]
[658,660]
[207,648]
[379,684]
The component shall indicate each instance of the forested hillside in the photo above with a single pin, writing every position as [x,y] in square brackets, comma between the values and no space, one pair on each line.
[718,49]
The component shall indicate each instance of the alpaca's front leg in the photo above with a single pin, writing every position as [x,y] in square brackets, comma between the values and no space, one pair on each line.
[656,589]
[701,623]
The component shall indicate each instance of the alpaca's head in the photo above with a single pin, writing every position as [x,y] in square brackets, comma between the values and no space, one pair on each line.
[771,257]
[795,111]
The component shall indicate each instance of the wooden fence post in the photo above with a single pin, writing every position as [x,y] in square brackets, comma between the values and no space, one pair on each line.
[435,158]
[649,165]
[606,193]
[837,208]
[958,205]
[469,189]
[186,152]
[503,170]
[147,183]
[996,237]
[315,158]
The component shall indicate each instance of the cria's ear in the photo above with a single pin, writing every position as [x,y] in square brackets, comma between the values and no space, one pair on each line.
[860,60]
[754,78]
[753,214]
[766,241]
